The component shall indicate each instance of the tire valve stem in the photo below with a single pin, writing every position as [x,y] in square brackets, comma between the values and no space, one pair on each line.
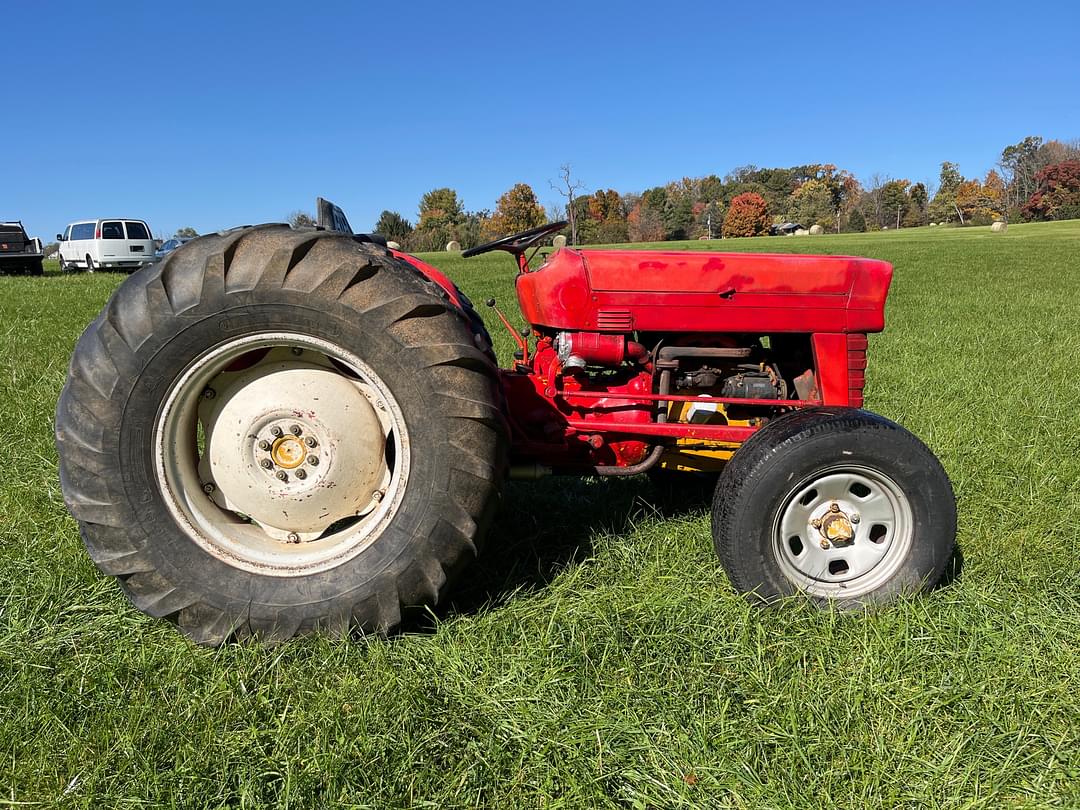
[297,351]
[209,393]
[208,488]
[294,537]
[377,495]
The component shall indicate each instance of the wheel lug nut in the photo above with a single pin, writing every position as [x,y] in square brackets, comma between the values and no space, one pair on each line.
[313,461]
[282,475]
[301,474]
[854,517]
[208,488]
[276,431]
[266,464]
[815,523]
[295,430]
[264,445]
[834,507]
[824,543]
[310,441]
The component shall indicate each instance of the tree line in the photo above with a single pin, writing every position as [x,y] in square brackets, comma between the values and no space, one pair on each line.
[1034,180]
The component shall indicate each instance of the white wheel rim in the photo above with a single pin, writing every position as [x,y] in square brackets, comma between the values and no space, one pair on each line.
[281,453]
[843,532]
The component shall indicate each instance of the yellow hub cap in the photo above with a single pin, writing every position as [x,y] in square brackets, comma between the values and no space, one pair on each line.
[288,452]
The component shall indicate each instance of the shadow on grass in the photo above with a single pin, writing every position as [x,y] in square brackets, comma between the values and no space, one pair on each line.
[546,526]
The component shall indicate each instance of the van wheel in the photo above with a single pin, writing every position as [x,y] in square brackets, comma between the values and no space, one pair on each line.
[89,265]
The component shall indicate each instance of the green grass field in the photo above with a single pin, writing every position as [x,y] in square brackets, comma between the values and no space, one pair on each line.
[597,656]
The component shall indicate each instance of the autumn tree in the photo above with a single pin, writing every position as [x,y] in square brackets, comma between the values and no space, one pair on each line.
[440,208]
[812,204]
[748,215]
[393,226]
[516,210]
[1057,192]
[943,207]
[301,219]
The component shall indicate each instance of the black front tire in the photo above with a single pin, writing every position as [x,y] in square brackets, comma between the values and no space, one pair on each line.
[766,473]
[268,280]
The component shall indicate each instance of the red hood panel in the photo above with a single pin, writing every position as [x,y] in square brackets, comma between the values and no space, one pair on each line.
[696,291]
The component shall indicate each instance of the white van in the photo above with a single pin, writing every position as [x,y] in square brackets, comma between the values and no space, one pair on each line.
[95,243]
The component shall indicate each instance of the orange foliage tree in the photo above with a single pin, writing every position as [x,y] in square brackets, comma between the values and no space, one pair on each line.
[748,215]
[516,210]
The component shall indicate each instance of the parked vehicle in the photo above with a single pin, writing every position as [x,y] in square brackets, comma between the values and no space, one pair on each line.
[91,244]
[285,431]
[19,253]
[170,245]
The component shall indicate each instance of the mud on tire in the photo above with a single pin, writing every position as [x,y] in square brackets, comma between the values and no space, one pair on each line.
[272,279]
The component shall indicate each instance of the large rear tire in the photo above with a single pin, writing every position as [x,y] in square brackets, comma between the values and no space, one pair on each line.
[273,432]
[838,504]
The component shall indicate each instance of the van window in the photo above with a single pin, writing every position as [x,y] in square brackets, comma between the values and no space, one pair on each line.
[67,233]
[136,230]
[84,230]
[112,230]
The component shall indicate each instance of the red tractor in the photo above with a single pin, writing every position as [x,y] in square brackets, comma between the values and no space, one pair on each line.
[275,431]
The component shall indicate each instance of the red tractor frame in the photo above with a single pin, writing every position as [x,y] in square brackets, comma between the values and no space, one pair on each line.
[276,431]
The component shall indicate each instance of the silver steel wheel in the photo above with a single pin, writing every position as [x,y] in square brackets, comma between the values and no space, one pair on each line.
[281,453]
[843,532]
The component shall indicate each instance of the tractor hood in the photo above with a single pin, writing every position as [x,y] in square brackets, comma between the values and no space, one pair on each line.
[696,291]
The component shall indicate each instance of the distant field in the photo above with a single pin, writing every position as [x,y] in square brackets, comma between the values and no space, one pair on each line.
[597,656]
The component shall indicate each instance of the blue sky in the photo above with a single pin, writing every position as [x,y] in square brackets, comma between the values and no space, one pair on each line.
[220,114]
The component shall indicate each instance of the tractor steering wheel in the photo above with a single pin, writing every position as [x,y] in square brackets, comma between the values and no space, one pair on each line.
[516,243]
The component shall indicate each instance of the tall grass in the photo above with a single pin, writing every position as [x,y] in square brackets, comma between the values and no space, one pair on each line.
[597,656]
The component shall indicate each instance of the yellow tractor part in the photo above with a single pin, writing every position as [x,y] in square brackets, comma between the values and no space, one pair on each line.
[699,455]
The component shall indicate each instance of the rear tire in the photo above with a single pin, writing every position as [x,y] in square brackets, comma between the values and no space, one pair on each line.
[89,264]
[219,578]
[838,504]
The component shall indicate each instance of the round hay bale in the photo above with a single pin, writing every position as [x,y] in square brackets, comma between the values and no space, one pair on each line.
[558,242]
[999,227]
[933,224]
[393,245]
[816,230]
[453,246]
[802,232]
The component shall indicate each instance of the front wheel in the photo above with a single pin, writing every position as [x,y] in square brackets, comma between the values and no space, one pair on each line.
[272,432]
[838,504]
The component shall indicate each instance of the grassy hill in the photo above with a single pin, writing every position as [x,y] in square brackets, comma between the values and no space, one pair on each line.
[597,656]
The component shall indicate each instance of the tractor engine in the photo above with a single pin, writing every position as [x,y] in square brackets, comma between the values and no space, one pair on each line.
[579,379]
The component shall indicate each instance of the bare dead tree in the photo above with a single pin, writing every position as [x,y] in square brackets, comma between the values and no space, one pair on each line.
[568,188]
